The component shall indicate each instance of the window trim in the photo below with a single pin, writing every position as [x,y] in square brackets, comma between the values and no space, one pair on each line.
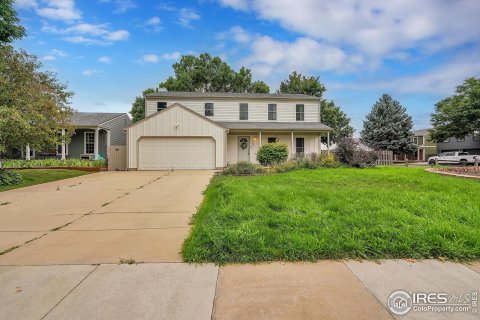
[296,147]
[297,113]
[240,111]
[158,102]
[415,140]
[476,136]
[205,109]
[274,113]
[85,142]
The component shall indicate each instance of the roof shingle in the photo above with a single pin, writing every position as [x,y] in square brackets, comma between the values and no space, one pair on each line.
[92,118]
[182,94]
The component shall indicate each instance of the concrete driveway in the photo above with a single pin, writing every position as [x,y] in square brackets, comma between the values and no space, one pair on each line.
[101,218]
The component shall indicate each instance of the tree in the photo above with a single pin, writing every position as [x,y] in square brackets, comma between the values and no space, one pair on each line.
[336,119]
[259,87]
[207,74]
[458,115]
[10,29]
[138,106]
[388,127]
[298,83]
[34,105]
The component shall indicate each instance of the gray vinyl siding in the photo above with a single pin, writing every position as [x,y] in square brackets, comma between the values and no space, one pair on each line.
[117,129]
[229,109]
[469,145]
[77,144]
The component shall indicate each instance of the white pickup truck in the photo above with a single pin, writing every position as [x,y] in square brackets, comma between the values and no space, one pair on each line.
[461,158]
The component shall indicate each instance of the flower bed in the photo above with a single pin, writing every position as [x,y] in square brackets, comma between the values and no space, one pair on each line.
[466,172]
[73,163]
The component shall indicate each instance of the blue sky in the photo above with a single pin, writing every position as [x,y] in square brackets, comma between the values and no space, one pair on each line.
[110,50]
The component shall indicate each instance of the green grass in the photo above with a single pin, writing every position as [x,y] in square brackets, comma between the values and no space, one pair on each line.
[37,176]
[337,213]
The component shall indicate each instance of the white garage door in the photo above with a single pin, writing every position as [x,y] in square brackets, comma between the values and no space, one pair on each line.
[160,153]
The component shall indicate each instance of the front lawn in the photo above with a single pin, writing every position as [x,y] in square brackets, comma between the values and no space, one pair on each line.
[372,213]
[37,176]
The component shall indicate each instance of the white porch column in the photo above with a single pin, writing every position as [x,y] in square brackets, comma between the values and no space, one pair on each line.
[108,144]
[63,145]
[328,142]
[95,144]
[260,138]
[320,144]
[27,152]
[33,153]
[292,145]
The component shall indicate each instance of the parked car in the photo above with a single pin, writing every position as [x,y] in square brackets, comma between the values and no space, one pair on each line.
[461,158]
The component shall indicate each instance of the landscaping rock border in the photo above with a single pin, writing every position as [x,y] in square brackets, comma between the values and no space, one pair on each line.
[457,172]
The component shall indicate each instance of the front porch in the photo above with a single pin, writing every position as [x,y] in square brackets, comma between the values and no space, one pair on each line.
[243,145]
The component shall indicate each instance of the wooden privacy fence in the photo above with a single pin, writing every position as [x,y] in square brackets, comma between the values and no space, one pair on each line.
[385,158]
[117,158]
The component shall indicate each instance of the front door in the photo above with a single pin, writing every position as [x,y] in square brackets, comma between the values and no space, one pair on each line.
[243,148]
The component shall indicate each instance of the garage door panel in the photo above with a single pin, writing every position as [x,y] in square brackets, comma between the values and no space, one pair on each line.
[161,153]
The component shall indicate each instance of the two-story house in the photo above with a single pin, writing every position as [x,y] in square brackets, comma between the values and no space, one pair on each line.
[469,143]
[426,147]
[196,130]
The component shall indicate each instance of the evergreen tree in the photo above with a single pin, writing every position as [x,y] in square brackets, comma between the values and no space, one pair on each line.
[388,127]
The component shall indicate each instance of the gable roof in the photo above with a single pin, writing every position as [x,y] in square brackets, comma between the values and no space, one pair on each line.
[92,118]
[183,94]
[421,132]
[179,106]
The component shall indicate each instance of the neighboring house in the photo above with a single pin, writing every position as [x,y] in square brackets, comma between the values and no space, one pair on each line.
[470,144]
[94,132]
[211,130]
[426,147]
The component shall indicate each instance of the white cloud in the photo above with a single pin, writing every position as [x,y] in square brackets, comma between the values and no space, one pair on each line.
[89,33]
[121,6]
[118,35]
[186,16]
[237,33]
[105,59]
[441,80]
[171,56]
[150,58]
[64,10]
[374,28]
[25,4]
[49,57]
[153,24]
[91,72]
[59,53]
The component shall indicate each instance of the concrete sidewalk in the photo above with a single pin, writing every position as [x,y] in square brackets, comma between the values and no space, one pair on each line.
[323,290]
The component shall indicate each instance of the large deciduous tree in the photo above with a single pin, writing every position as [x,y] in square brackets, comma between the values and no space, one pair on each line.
[34,105]
[335,118]
[207,74]
[298,83]
[458,115]
[388,127]
[10,28]
[138,106]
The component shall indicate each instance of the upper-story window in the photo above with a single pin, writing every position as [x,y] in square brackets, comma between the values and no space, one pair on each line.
[209,109]
[415,140]
[272,112]
[243,111]
[161,106]
[300,112]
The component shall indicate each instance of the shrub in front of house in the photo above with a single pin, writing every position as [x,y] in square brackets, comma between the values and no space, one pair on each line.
[307,161]
[52,162]
[9,177]
[352,153]
[272,153]
[243,168]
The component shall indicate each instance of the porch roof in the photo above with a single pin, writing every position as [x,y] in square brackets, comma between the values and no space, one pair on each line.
[93,119]
[284,126]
